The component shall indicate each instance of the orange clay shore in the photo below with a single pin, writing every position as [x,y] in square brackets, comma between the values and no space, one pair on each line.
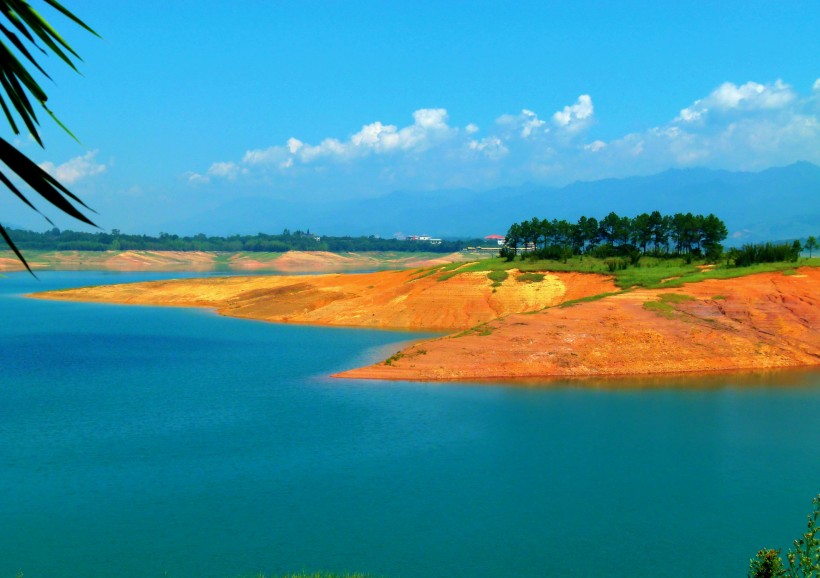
[518,329]
[762,321]
[413,299]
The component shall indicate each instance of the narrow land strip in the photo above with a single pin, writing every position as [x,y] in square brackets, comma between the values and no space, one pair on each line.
[762,321]
[412,299]
[202,261]
[525,325]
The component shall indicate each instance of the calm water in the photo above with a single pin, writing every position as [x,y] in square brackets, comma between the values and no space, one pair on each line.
[148,442]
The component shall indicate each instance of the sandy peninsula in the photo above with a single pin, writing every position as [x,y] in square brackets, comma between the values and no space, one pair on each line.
[517,329]
[409,299]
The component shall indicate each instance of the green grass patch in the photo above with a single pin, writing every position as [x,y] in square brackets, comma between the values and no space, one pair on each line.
[676,298]
[675,272]
[665,305]
[661,308]
[718,297]
[650,272]
[425,273]
[393,358]
[723,272]
[497,277]
[530,278]
[451,270]
[482,330]
[573,302]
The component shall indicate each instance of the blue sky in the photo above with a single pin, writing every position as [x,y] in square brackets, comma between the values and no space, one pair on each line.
[187,103]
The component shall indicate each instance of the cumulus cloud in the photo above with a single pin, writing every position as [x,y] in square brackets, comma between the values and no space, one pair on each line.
[737,127]
[492,147]
[746,97]
[595,146]
[75,169]
[525,124]
[575,116]
[429,127]
[226,170]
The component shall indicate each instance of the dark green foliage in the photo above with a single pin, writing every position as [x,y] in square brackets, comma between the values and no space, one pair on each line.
[56,240]
[804,559]
[530,278]
[766,564]
[497,277]
[507,253]
[615,264]
[765,253]
[811,244]
[693,236]
[28,34]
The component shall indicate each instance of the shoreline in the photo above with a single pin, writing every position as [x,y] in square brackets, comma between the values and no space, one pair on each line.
[289,262]
[758,322]
[525,331]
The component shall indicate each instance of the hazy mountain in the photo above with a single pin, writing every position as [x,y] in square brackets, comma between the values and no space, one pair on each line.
[776,203]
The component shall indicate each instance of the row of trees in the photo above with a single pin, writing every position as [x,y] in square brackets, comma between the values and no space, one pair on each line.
[766,253]
[648,233]
[57,240]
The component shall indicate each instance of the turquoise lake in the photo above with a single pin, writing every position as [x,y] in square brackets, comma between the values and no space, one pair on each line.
[151,442]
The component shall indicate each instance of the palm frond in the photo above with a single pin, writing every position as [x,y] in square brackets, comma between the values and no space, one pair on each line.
[27,31]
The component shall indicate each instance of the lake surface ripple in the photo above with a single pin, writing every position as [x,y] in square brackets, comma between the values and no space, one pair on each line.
[145,441]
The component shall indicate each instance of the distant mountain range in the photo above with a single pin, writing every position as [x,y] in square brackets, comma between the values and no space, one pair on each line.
[777,203]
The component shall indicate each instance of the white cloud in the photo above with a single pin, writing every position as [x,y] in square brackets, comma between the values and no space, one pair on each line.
[576,116]
[75,169]
[228,170]
[736,127]
[265,156]
[429,128]
[746,97]
[431,118]
[377,136]
[294,144]
[492,147]
[531,123]
[525,124]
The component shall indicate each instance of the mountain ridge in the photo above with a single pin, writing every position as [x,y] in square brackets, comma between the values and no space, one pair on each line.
[772,203]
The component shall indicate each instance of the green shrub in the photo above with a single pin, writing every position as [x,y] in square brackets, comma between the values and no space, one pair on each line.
[497,277]
[765,253]
[804,559]
[766,564]
[615,264]
[530,278]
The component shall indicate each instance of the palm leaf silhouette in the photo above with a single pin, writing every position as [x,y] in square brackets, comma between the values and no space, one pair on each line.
[25,34]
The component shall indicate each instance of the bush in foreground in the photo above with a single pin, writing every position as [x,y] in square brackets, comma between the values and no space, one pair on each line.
[804,559]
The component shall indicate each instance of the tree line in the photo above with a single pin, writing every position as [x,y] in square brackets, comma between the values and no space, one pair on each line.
[57,240]
[689,235]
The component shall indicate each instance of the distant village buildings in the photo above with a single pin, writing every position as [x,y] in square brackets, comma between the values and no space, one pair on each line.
[495,241]
[425,238]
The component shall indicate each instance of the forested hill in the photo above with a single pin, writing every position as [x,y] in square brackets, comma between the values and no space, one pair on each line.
[56,240]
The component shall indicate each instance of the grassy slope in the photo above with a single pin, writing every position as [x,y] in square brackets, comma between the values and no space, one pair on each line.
[651,273]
